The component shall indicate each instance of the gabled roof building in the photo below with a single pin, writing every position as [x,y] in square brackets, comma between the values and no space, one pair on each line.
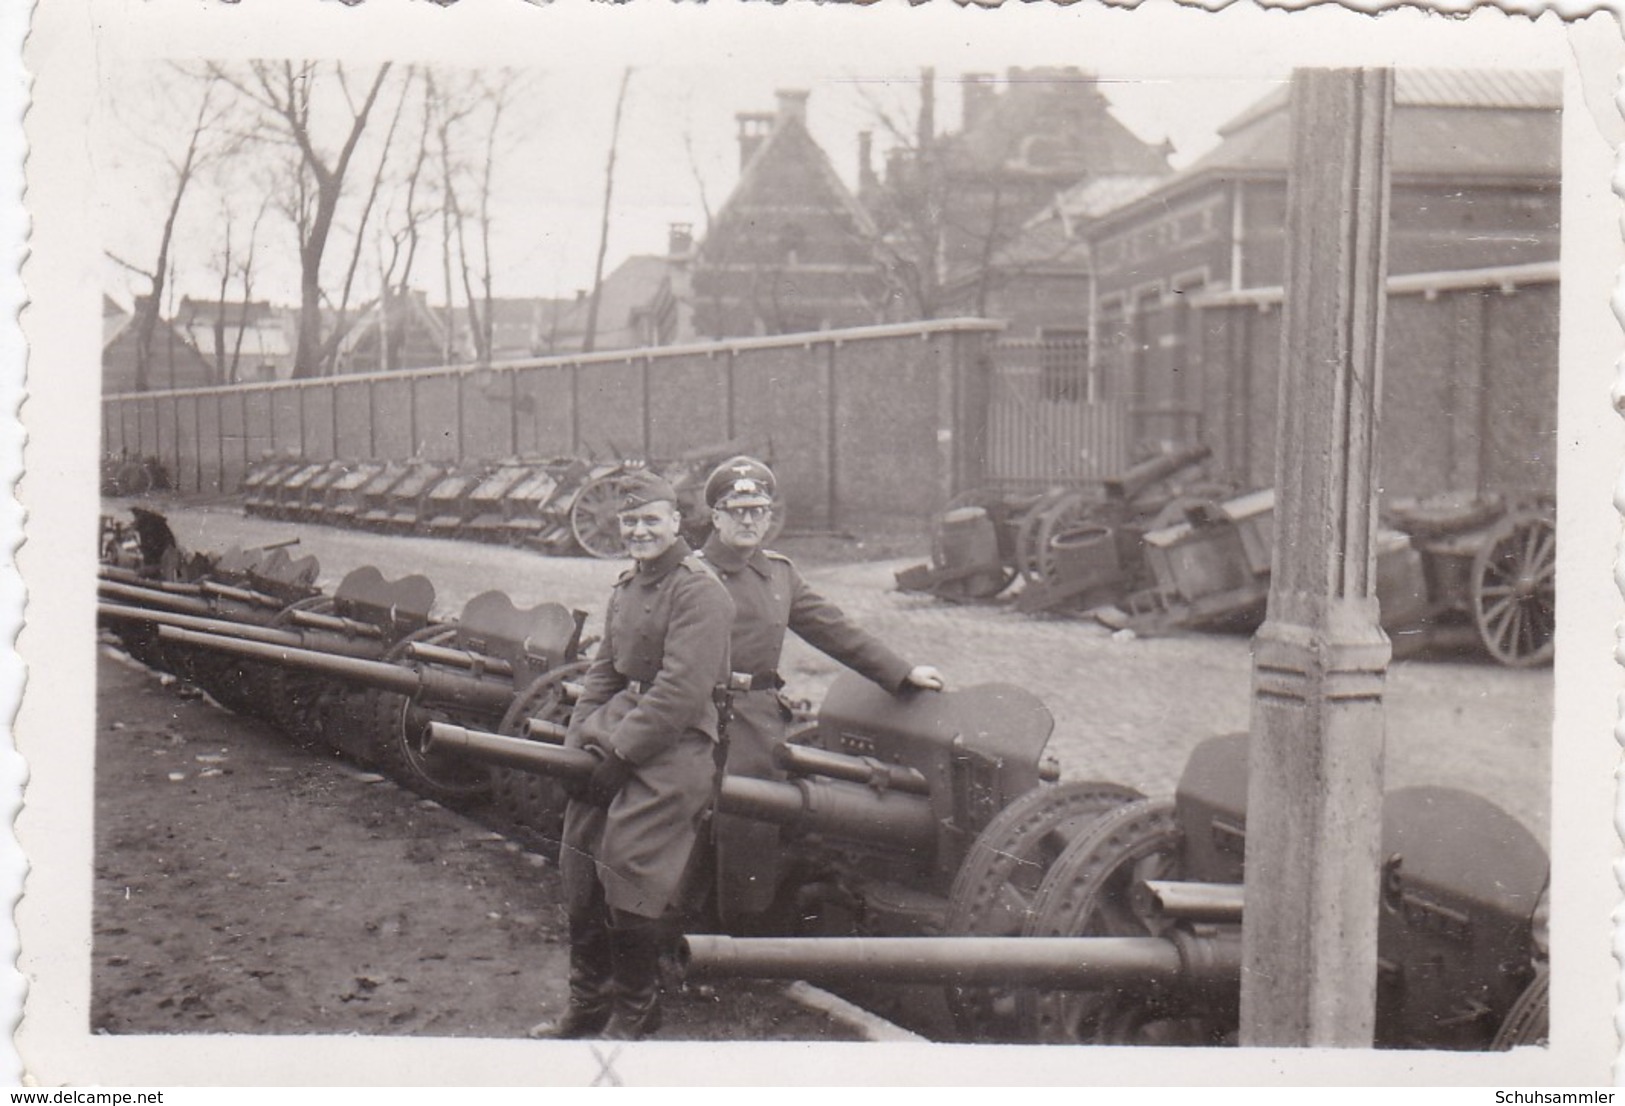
[791,249]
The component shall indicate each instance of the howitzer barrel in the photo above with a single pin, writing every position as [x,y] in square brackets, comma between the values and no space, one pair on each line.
[1195,902]
[115,574]
[244,631]
[814,806]
[334,624]
[243,595]
[487,694]
[1146,473]
[1055,963]
[459,658]
[809,761]
[156,598]
[550,732]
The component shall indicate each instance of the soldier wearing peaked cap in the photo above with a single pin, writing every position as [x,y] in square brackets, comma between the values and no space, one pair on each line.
[647,708]
[770,597]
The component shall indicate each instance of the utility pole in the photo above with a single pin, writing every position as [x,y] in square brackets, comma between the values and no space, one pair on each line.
[1320,660]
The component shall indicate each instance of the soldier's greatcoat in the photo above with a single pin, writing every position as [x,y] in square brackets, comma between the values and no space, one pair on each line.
[769,598]
[648,696]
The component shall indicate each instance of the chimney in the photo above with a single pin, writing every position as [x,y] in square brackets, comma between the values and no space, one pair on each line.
[680,240]
[754,127]
[977,90]
[866,167]
[928,108]
[792,105]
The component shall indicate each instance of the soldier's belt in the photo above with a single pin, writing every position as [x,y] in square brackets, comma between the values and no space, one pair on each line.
[761,681]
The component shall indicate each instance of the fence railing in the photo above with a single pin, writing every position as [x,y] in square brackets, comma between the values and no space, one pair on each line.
[1043,427]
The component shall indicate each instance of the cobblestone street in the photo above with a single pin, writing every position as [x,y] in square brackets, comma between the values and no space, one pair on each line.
[1127,711]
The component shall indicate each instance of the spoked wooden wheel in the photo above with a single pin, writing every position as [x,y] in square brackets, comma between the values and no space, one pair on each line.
[1092,890]
[994,890]
[593,518]
[533,803]
[1514,582]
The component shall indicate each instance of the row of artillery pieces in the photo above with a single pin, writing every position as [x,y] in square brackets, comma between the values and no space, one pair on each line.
[560,505]
[934,867]
[1157,549]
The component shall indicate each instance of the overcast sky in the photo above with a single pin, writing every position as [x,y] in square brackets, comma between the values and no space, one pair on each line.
[550,181]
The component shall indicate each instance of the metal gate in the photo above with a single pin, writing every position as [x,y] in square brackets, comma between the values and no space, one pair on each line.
[1043,428]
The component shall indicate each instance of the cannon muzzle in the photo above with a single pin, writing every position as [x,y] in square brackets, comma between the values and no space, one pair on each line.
[1137,479]
[811,806]
[484,693]
[246,631]
[157,598]
[1054,963]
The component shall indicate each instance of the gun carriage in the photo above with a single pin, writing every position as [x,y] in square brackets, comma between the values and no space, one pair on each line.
[933,847]
[1483,568]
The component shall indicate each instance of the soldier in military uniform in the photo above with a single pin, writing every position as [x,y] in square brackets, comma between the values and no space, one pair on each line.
[647,709]
[769,598]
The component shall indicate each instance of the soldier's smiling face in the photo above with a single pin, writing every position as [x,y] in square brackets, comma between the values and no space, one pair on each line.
[649,530]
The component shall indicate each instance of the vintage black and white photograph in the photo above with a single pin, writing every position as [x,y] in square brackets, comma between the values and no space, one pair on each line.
[904,530]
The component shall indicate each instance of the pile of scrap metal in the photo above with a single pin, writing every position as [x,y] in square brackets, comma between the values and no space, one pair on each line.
[1476,569]
[562,505]
[1155,547]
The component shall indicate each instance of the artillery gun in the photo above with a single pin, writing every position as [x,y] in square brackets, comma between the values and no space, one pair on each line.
[471,669]
[931,850]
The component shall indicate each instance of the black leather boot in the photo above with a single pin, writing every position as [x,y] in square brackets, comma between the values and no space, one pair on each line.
[591,991]
[637,943]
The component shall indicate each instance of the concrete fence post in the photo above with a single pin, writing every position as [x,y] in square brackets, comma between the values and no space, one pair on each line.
[1314,797]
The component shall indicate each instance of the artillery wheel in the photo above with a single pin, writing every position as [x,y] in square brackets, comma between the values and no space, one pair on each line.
[1054,509]
[1514,590]
[1528,1022]
[533,803]
[434,775]
[294,701]
[993,892]
[363,724]
[593,519]
[1091,892]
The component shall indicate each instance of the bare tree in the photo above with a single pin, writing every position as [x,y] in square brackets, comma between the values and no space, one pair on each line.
[937,237]
[285,93]
[603,229]
[184,167]
[342,321]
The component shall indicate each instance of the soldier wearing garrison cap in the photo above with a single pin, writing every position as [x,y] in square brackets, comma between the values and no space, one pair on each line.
[647,708]
[769,598]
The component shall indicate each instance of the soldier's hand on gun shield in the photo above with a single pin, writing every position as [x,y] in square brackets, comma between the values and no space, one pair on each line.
[923,677]
[608,777]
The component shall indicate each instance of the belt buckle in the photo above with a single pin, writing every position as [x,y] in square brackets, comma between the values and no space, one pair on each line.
[739,681]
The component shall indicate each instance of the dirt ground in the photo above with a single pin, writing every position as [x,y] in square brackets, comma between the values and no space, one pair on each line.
[246,886]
